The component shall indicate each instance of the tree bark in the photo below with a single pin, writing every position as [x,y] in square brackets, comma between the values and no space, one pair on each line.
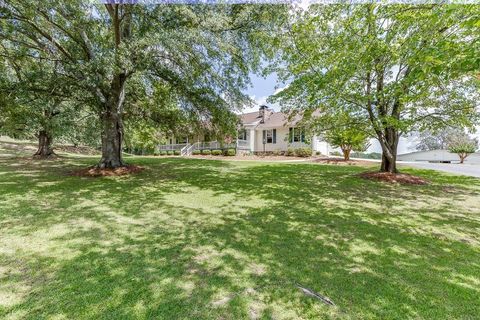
[346,153]
[45,141]
[462,157]
[389,151]
[112,123]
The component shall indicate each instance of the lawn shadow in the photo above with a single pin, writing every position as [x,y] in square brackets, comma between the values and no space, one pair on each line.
[210,239]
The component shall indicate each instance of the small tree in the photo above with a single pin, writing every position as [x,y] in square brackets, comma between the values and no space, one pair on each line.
[439,139]
[463,146]
[348,139]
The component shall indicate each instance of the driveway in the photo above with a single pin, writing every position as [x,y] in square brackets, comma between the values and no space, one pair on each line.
[472,170]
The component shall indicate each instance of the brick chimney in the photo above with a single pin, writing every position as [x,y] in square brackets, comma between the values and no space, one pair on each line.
[262,113]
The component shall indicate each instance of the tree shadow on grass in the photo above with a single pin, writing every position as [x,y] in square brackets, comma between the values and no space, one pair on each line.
[210,239]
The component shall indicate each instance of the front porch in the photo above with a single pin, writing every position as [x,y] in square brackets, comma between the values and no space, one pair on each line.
[187,149]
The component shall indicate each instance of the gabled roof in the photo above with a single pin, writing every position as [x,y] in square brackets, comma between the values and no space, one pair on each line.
[251,118]
[272,119]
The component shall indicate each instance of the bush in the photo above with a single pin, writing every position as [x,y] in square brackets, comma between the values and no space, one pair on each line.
[216,152]
[276,153]
[303,152]
[170,152]
[336,154]
[290,152]
[206,152]
[196,152]
[177,152]
[318,153]
[230,152]
[163,153]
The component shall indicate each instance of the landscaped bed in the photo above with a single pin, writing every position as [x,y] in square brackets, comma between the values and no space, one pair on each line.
[199,239]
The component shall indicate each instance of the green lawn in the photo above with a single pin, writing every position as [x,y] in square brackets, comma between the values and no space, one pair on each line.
[198,239]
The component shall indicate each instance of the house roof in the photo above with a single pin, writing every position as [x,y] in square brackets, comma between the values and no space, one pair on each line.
[250,118]
[272,119]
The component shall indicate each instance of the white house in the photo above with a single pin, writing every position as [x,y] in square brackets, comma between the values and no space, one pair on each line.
[259,132]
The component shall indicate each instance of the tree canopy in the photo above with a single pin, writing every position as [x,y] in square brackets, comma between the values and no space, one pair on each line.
[402,67]
[202,53]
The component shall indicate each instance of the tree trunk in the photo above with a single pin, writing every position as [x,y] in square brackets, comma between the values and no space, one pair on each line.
[45,149]
[462,157]
[346,153]
[111,120]
[389,151]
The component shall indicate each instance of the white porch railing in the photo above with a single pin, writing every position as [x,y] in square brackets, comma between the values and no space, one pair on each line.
[243,144]
[173,147]
[187,149]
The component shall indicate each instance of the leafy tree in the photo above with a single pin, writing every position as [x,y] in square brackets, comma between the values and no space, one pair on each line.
[348,139]
[435,140]
[38,105]
[402,67]
[203,53]
[463,145]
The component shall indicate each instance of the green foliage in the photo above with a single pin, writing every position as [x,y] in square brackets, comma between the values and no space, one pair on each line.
[197,57]
[170,152]
[196,152]
[438,139]
[163,153]
[230,152]
[217,152]
[401,67]
[177,152]
[363,155]
[290,152]
[206,152]
[347,139]
[303,152]
[276,152]
[463,145]
[318,153]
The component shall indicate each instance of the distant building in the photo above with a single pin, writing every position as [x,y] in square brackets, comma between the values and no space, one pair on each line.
[438,156]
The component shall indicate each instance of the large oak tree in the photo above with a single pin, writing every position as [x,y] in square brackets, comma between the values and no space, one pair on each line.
[402,67]
[203,53]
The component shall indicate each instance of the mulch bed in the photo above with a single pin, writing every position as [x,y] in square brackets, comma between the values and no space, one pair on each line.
[402,178]
[97,172]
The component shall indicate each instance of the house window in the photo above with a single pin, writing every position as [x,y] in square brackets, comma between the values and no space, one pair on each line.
[242,134]
[296,135]
[270,136]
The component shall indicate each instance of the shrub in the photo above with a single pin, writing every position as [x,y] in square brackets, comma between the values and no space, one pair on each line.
[196,152]
[290,152]
[276,153]
[170,152]
[163,153]
[303,152]
[318,153]
[177,152]
[217,152]
[230,152]
[336,153]
[206,152]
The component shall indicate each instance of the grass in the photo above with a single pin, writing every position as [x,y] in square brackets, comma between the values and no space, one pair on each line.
[200,239]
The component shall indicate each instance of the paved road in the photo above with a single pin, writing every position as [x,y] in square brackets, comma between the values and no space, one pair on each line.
[472,170]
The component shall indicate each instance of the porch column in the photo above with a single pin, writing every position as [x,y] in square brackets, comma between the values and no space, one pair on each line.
[252,140]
